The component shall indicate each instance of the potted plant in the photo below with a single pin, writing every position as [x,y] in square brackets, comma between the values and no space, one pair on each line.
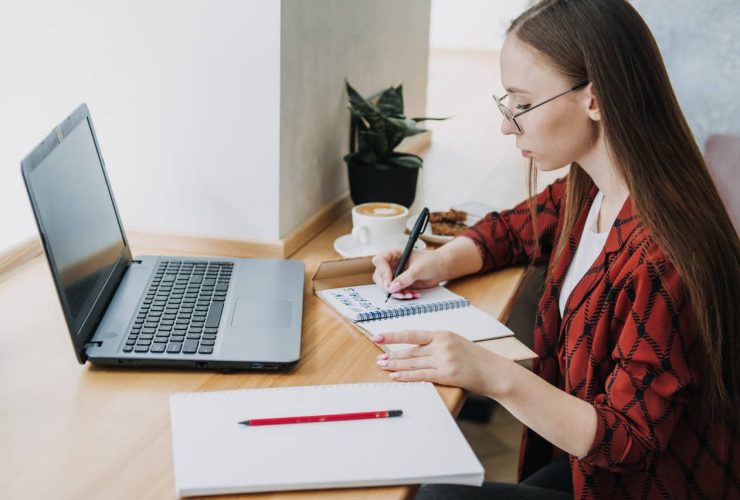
[376,171]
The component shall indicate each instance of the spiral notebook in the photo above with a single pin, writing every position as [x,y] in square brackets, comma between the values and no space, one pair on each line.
[213,454]
[437,309]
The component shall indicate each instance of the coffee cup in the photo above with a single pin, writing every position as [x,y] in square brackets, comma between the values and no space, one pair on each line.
[377,226]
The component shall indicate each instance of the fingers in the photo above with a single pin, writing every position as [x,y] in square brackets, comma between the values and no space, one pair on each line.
[418,337]
[424,375]
[383,272]
[402,295]
[385,263]
[416,351]
[403,281]
[410,364]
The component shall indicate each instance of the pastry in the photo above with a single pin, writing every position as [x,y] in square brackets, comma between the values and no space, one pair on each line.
[449,216]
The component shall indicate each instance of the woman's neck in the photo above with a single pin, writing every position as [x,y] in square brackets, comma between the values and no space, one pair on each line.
[598,164]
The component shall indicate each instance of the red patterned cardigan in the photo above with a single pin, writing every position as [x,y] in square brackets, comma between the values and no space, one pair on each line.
[626,344]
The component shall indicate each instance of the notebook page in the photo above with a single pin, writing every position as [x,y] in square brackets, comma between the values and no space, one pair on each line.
[352,302]
[214,454]
[469,322]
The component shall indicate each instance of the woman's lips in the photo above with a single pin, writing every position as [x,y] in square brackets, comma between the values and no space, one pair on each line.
[526,153]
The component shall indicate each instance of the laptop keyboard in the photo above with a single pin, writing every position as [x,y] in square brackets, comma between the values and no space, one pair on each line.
[182,308]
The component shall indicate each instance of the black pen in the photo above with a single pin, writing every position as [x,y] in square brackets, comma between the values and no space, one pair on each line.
[419,227]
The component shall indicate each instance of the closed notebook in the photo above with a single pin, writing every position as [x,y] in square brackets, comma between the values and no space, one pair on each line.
[214,454]
[437,309]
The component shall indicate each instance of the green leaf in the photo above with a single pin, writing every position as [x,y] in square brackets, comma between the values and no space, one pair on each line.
[407,125]
[405,161]
[374,137]
[382,127]
[428,118]
[372,147]
[395,132]
[391,101]
[360,107]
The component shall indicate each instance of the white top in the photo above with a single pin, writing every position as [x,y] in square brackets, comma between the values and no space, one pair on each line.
[588,249]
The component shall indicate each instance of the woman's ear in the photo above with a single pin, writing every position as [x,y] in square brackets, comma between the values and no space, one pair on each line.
[591,101]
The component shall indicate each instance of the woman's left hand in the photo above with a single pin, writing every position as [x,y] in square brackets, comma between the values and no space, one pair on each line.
[445,358]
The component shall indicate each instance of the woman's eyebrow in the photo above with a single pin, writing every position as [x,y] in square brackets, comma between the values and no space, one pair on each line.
[515,90]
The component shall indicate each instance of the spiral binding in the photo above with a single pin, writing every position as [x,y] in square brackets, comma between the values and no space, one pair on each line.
[411,309]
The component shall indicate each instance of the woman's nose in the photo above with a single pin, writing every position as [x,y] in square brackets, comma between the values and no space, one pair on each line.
[508,128]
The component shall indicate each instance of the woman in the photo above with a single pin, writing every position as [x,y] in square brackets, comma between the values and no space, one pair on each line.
[635,390]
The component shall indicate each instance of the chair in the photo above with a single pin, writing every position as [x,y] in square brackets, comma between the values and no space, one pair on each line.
[722,154]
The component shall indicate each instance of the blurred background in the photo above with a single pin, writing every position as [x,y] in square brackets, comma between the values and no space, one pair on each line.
[234,111]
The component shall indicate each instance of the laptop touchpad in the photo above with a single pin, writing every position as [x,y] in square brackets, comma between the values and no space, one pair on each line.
[261,313]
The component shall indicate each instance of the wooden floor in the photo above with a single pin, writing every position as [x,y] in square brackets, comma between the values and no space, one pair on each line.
[496,444]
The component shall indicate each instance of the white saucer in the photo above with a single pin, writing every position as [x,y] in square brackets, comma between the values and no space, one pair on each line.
[347,246]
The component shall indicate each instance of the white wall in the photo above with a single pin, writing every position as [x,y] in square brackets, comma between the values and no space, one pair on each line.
[374,45]
[184,96]
[700,44]
[470,159]
[472,24]
[207,126]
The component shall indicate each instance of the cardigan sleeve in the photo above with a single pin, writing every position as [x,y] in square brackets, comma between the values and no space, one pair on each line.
[507,237]
[646,392]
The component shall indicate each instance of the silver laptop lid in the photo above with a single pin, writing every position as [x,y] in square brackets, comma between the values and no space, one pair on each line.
[78,222]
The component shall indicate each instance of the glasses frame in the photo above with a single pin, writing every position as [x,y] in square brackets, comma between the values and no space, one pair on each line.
[511,117]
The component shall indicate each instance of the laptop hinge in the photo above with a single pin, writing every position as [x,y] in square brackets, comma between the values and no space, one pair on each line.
[94,343]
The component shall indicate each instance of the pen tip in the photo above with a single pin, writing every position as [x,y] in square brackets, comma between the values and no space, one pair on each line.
[387,297]
[395,413]
[245,422]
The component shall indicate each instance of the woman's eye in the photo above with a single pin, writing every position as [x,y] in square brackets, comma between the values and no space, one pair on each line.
[522,107]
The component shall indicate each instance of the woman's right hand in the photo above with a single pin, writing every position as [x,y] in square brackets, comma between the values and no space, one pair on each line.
[424,269]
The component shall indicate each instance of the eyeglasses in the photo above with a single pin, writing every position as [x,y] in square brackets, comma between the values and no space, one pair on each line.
[512,117]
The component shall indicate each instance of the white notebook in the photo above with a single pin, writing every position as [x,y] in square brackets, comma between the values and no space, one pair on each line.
[213,454]
[437,309]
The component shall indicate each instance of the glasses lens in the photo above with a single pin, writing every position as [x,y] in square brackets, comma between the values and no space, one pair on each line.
[504,109]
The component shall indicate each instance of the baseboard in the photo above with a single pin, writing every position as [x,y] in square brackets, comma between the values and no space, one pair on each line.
[19,254]
[306,231]
[176,244]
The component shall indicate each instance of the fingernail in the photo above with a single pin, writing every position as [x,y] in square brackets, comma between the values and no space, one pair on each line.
[395,286]
[394,375]
[416,294]
[378,339]
[382,362]
[382,356]
[408,295]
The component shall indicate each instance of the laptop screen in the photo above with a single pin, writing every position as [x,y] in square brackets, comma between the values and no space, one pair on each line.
[74,206]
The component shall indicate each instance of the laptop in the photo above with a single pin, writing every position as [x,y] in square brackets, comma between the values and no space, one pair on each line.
[159,311]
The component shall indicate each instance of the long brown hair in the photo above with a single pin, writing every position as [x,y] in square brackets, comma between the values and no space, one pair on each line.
[607,43]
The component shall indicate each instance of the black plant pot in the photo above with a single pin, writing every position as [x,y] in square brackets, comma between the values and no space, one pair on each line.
[369,183]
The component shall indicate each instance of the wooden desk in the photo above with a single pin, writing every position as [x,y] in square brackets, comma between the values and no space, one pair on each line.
[68,431]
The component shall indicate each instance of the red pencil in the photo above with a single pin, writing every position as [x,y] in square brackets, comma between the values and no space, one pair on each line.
[306,419]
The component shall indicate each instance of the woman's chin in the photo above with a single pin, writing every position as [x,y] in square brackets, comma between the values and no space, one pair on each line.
[545,166]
